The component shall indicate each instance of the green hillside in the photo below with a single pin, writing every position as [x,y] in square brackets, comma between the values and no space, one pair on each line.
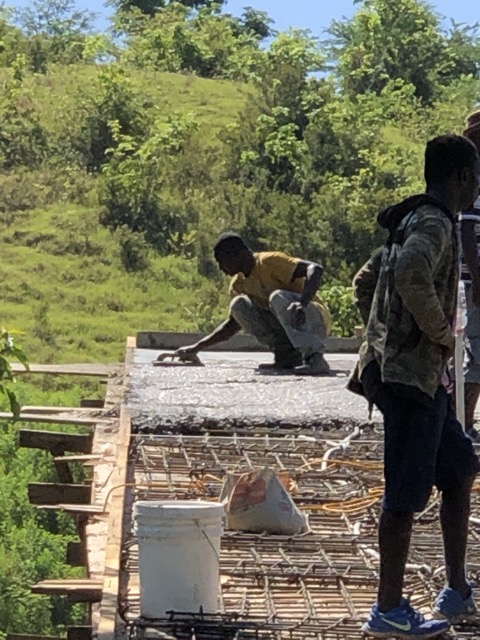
[64,287]
[64,284]
[64,91]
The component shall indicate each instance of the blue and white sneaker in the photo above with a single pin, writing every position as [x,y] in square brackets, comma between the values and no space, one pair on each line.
[452,607]
[402,622]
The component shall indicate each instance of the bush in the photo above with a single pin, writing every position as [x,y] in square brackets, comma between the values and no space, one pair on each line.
[133,250]
[345,316]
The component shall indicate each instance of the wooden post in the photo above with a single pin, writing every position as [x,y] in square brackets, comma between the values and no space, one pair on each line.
[51,493]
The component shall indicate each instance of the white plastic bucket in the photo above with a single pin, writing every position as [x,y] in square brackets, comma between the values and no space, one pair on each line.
[179,555]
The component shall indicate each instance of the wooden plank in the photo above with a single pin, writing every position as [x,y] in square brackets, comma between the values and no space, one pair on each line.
[92,403]
[78,590]
[82,369]
[64,473]
[166,341]
[51,418]
[27,636]
[76,554]
[52,410]
[109,604]
[74,509]
[55,441]
[132,344]
[56,493]
[82,457]
[79,633]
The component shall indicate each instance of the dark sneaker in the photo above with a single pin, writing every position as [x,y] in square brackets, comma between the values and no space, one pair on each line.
[452,607]
[282,362]
[402,622]
[315,365]
[275,366]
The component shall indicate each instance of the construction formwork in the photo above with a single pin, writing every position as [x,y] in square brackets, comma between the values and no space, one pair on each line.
[317,585]
[175,434]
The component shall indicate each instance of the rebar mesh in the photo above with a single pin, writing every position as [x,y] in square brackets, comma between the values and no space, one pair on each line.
[317,585]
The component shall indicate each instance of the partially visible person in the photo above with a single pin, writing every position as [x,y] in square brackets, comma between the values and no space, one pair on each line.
[274,298]
[470,236]
[406,294]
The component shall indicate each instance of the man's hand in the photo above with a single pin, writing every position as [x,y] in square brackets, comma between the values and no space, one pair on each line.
[450,349]
[298,315]
[186,352]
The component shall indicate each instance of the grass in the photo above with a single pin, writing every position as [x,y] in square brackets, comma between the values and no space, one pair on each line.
[66,290]
[215,103]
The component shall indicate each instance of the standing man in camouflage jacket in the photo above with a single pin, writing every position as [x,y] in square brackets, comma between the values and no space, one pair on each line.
[407,298]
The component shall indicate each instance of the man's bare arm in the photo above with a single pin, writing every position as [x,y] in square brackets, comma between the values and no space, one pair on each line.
[223,332]
[313,274]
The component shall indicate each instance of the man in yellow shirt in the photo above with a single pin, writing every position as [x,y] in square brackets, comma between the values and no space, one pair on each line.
[274,298]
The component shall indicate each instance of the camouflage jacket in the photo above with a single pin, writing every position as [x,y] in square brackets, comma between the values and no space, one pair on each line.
[406,295]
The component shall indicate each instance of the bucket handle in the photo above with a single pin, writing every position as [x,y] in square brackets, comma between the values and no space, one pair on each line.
[197,523]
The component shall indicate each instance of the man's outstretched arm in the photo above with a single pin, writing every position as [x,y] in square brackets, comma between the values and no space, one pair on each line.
[223,332]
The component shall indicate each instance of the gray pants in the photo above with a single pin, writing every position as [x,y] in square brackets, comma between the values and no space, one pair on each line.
[273,327]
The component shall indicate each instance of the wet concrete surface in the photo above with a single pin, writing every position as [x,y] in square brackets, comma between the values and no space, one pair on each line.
[229,392]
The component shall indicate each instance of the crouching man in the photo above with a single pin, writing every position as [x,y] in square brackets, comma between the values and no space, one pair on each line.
[274,298]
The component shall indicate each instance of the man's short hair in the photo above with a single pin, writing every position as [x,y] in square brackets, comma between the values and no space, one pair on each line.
[447,156]
[473,125]
[229,243]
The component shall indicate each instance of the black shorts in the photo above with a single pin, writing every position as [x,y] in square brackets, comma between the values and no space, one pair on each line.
[424,446]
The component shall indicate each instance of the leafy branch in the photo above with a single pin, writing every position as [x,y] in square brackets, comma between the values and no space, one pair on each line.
[9,350]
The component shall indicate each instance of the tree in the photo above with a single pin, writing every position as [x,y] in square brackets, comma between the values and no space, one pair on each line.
[23,140]
[464,42]
[151,7]
[144,189]
[207,42]
[395,39]
[256,22]
[268,146]
[56,30]
[13,41]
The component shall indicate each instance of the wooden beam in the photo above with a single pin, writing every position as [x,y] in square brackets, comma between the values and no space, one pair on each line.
[81,457]
[76,554]
[76,590]
[27,636]
[92,403]
[53,493]
[64,472]
[53,410]
[109,617]
[55,442]
[52,418]
[170,341]
[74,509]
[79,633]
[82,369]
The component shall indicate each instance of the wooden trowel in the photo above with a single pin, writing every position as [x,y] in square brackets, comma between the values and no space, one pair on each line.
[177,360]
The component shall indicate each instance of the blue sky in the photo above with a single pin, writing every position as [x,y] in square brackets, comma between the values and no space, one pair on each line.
[308,14]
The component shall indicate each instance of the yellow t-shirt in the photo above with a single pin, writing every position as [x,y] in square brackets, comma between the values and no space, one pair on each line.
[273,270]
